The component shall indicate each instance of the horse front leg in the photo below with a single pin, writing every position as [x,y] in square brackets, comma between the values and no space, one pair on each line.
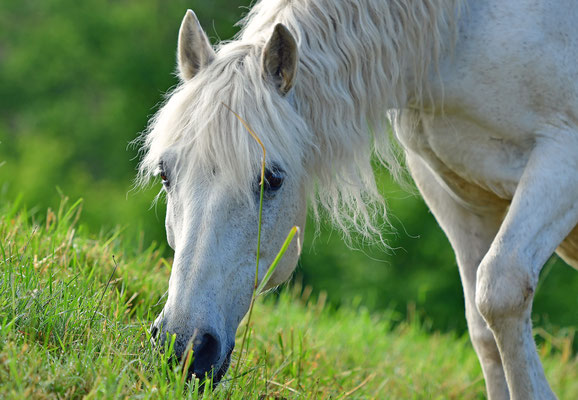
[542,213]
[470,235]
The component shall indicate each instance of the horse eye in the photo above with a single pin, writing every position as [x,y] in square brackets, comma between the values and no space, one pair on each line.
[163,174]
[165,178]
[274,179]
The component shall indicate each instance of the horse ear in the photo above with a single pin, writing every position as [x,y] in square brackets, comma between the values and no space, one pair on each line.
[279,59]
[194,49]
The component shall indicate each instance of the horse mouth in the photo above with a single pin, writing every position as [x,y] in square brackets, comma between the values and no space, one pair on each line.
[224,367]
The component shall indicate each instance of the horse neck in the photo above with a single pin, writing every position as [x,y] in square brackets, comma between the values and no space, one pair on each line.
[359,59]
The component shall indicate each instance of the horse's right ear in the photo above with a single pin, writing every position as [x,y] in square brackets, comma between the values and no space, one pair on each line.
[194,49]
[279,59]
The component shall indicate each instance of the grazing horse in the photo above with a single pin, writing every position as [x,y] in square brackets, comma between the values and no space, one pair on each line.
[481,95]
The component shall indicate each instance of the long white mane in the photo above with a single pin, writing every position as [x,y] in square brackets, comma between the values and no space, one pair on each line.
[359,60]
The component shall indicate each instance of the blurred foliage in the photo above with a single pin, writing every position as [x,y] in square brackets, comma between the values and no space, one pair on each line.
[78,82]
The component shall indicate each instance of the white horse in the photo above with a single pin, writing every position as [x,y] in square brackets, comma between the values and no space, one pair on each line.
[481,94]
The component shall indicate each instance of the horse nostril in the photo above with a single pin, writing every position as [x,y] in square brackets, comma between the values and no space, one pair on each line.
[206,353]
[154,331]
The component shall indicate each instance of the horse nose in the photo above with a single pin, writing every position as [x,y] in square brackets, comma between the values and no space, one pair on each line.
[206,355]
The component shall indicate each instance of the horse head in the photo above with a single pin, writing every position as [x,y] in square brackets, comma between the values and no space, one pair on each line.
[210,168]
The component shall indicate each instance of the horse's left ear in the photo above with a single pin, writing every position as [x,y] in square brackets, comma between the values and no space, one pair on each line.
[280,57]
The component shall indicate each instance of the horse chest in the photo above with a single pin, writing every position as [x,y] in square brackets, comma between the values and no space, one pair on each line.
[477,154]
[479,167]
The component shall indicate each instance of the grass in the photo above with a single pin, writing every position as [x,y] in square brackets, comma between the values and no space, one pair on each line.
[71,328]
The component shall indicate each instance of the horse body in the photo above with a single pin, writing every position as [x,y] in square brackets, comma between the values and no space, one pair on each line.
[483,97]
[498,166]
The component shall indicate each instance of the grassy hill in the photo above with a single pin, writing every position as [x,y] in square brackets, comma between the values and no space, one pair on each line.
[75,309]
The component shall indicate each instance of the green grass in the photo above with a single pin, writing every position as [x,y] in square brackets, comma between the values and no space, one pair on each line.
[69,330]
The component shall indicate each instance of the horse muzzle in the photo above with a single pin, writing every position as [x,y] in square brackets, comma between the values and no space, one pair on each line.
[210,357]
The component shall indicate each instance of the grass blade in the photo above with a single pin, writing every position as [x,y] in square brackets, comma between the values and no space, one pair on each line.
[273,266]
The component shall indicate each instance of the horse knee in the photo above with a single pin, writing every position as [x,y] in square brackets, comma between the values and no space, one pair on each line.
[505,287]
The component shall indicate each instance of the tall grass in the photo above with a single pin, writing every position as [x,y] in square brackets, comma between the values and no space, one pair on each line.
[58,339]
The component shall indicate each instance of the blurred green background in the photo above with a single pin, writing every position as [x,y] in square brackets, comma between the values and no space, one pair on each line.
[78,82]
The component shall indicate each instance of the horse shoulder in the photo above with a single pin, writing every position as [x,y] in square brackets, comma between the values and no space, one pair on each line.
[508,76]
